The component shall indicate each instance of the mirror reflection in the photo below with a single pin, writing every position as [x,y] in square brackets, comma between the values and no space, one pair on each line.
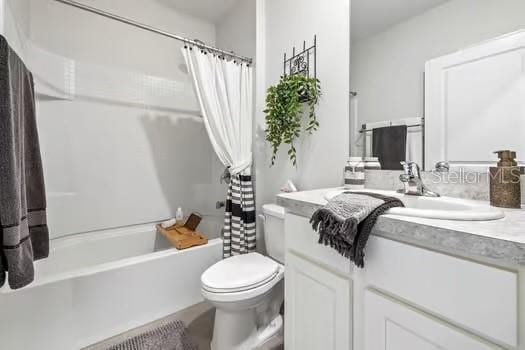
[423,72]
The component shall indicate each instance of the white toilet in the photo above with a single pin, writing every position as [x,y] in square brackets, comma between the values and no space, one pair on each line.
[248,290]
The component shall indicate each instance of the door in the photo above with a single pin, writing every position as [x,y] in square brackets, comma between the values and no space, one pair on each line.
[390,325]
[480,90]
[318,308]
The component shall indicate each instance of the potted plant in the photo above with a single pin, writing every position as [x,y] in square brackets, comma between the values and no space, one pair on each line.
[284,111]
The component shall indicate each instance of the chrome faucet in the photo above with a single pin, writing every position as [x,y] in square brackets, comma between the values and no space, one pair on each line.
[412,182]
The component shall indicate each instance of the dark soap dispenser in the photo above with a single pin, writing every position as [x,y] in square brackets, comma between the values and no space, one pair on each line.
[505,187]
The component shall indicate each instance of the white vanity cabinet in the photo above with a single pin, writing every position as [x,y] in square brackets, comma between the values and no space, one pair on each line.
[406,298]
[394,326]
[319,303]
[318,296]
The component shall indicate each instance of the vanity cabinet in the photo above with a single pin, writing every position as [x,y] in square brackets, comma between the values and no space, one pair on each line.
[406,297]
[394,326]
[319,303]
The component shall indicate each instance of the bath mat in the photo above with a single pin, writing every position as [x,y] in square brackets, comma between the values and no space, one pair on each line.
[171,336]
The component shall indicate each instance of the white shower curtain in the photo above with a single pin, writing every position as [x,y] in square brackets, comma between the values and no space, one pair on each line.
[225,93]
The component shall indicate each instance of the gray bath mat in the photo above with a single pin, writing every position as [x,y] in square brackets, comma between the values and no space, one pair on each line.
[171,336]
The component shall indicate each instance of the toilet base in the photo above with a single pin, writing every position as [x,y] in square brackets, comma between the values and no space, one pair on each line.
[250,328]
[244,335]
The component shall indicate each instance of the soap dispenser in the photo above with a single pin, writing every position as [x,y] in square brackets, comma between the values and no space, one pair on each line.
[505,187]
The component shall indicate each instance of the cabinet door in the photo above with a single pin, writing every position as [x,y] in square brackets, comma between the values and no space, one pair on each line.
[317,307]
[394,326]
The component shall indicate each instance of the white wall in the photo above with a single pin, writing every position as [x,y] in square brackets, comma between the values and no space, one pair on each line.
[14,24]
[122,139]
[236,31]
[322,156]
[2,17]
[86,37]
[387,68]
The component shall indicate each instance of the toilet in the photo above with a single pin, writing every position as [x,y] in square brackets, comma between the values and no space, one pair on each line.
[248,291]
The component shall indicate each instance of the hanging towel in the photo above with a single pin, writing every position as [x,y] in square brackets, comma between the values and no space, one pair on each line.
[346,222]
[239,236]
[24,235]
[389,145]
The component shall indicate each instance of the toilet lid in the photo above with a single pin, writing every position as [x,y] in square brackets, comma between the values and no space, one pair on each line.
[239,273]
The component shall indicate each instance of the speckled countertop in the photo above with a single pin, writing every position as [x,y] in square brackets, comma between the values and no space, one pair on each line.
[500,242]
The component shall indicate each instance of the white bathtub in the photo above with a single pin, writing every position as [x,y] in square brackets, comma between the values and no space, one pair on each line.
[94,286]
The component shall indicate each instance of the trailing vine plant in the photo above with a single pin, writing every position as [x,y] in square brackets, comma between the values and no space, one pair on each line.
[284,111]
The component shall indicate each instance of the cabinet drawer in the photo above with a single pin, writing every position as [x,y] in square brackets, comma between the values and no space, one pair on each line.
[477,297]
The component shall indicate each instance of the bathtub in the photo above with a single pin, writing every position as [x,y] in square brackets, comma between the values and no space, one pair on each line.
[96,285]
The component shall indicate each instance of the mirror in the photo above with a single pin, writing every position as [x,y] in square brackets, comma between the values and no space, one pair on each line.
[437,80]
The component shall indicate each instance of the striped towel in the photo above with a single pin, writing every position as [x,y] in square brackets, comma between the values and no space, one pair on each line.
[239,221]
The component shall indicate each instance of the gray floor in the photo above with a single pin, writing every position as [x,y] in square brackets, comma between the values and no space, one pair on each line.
[198,318]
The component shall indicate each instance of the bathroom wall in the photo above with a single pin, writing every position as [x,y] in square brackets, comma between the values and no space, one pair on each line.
[388,68]
[282,24]
[122,138]
[14,24]
[236,31]
[2,17]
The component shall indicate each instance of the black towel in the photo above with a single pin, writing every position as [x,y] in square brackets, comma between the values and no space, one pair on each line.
[24,236]
[390,146]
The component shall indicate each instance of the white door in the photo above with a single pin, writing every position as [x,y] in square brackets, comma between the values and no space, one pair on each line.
[390,325]
[474,103]
[318,310]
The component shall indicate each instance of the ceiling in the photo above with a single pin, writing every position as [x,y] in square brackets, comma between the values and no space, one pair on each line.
[368,16]
[211,10]
[374,16]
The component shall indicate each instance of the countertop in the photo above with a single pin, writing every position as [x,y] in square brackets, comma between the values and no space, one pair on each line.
[501,242]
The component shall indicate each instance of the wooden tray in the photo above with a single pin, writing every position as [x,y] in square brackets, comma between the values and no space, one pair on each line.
[181,237]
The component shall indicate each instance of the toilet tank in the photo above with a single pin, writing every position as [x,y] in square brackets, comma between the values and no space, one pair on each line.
[274,231]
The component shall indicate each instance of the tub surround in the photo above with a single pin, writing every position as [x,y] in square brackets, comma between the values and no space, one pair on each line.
[501,241]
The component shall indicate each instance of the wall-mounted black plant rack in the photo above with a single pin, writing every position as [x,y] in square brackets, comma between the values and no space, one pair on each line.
[303,62]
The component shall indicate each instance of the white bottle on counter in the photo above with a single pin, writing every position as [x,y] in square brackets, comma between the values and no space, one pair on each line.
[179,215]
[355,174]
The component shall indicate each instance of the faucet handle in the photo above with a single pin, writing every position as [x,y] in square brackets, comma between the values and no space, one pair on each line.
[414,169]
[411,169]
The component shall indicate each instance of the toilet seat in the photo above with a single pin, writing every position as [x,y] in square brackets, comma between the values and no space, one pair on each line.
[240,289]
[241,277]
[239,273]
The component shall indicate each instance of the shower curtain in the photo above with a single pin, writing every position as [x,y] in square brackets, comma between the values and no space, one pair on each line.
[225,93]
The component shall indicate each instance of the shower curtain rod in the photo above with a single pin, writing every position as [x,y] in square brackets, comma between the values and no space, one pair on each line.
[152,29]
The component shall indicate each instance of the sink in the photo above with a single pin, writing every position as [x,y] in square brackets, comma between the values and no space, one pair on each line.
[441,208]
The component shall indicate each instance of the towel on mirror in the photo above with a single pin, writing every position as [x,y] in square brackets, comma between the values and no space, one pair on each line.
[389,144]
[346,222]
[24,235]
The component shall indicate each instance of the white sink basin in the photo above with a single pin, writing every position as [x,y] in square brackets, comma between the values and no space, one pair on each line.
[442,208]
